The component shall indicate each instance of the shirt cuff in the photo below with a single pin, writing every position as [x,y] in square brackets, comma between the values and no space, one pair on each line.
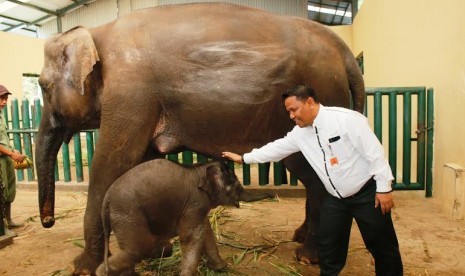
[383,187]
[246,158]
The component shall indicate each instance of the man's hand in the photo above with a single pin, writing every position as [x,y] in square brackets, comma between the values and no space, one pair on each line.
[385,200]
[17,156]
[232,156]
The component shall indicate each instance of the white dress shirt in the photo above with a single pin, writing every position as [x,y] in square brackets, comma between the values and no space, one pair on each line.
[349,155]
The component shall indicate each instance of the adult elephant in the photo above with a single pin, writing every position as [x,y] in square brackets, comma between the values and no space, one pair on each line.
[205,77]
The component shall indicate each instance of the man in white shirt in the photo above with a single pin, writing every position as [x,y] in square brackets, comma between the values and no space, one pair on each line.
[348,158]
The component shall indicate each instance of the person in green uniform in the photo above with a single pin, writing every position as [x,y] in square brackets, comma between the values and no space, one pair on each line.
[7,155]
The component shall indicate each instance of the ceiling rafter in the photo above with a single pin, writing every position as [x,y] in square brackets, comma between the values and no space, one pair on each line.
[15,19]
[58,13]
[33,7]
[331,12]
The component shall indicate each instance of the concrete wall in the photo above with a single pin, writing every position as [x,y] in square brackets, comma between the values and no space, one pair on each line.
[410,44]
[19,55]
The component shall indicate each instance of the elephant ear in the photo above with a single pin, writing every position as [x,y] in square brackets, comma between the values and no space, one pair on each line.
[79,56]
[213,181]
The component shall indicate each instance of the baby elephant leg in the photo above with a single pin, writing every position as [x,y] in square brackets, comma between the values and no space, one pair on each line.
[191,237]
[210,249]
[118,264]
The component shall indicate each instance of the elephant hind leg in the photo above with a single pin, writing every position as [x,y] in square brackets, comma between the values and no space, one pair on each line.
[135,243]
[163,248]
[120,263]
[315,192]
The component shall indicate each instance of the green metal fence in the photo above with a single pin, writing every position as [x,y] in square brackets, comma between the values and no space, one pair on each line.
[74,158]
[406,106]
[22,130]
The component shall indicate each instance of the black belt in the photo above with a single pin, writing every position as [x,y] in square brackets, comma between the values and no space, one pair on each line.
[365,187]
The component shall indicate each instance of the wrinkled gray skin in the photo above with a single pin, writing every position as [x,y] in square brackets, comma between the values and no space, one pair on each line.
[158,200]
[206,77]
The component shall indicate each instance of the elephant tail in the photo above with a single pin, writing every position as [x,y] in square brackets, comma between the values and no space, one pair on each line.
[106,228]
[356,84]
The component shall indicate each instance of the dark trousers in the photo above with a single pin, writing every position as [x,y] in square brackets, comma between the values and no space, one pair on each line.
[377,232]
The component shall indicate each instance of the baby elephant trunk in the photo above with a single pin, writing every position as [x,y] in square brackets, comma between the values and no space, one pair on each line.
[248,196]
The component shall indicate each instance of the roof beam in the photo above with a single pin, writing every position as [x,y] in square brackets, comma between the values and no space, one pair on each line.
[33,7]
[10,25]
[77,4]
[16,19]
[31,23]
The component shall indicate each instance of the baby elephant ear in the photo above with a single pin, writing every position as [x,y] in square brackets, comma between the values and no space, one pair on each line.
[212,180]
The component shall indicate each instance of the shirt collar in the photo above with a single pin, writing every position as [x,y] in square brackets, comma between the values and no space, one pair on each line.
[319,119]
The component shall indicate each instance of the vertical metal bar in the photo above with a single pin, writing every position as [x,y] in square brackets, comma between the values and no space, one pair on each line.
[392,154]
[278,173]
[90,148]
[263,173]
[173,157]
[96,136]
[66,162]
[378,110]
[407,147]
[187,157]
[27,136]
[78,157]
[429,143]
[231,164]
[246,174]
[201,158]
[6,116]
[37,113]
[16,136]
[421,137]
[293,180]
[365,108]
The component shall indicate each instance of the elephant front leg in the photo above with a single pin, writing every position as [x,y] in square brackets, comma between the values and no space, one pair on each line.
[88,261]
[210,249]
[192,239]
[124,137]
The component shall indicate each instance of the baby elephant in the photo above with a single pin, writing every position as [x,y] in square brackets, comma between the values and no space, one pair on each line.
[158,200]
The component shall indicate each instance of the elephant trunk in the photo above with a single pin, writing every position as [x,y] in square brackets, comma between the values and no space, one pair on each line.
[48,143]
[248,196]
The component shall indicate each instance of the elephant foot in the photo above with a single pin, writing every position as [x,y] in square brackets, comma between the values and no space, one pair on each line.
[162,250]
[307,255]
[300,234]
[129,272]
[217,265]
[86,264]
[308,251]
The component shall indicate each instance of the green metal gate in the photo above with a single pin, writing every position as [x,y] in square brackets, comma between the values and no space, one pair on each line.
[393,111]
[406,107]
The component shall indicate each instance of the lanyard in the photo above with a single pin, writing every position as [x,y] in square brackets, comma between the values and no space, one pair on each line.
[324,161]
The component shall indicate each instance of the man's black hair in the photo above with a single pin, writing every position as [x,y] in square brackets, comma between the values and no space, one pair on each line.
[301,91]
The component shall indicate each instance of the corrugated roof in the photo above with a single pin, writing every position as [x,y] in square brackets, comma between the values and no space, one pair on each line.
[25,16]
[330,12]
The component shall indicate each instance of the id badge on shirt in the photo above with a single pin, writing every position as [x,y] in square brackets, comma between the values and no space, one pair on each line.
[333,161]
